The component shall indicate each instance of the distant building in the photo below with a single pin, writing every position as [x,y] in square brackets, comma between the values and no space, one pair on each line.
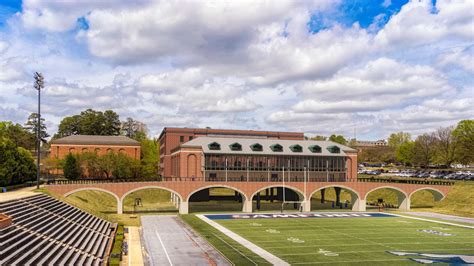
[370,143]
[101,145]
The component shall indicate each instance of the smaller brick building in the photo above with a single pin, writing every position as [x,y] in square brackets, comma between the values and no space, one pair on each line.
[99,144]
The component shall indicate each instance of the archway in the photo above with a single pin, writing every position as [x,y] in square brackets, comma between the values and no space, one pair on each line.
[150,199]
[387,197]
[336,197]
[192,165]
[425,197]
[272,198]
[97,199]
[217,198]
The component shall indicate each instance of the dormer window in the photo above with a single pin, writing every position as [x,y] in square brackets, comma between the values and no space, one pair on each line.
[315,148]
[256,147]
[235,147]
[214,146]
[276,147]
[296,148]
[334,149]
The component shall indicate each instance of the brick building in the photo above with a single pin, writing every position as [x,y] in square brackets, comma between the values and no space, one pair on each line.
[99,144]
[240,155]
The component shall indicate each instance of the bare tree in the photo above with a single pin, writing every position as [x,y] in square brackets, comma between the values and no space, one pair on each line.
[446,145]
[424,149]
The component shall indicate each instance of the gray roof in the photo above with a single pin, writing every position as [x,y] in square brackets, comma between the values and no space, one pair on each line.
[203,142]
[96,140]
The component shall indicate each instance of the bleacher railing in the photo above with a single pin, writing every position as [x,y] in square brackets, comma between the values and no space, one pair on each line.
[254,179]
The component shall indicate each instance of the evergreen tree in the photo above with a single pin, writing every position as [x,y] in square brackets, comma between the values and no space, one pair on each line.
[72,168]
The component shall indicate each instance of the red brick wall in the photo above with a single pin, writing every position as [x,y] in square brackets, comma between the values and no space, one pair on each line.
[59,151]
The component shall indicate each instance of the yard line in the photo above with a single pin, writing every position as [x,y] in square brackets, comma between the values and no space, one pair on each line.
[345,261]
[164,248]
[238,251]
[433,221]
[360,244]
[377,251]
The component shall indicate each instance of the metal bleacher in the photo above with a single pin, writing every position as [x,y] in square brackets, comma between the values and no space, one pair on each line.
[46,231]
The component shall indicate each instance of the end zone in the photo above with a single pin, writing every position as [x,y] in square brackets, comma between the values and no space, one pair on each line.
[297,215]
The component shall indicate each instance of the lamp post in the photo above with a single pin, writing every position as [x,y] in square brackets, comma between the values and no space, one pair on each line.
[39,84]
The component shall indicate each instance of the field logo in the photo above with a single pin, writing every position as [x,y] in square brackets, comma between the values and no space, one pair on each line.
[255,224]
[428,258]
[327,253]
[295,215]
[272,231]
[434,232]
[295,240]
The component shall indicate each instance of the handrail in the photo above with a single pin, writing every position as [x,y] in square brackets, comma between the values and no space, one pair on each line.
[254,179]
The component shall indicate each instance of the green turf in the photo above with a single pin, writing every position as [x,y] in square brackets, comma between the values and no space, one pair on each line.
[357,241]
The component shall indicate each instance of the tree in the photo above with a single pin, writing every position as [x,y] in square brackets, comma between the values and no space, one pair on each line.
[111,123]
[338,139]
[397,139]
[424,149]
[16,164]
[121,166]
[134,129]
[464,134]
[32,126]
[106,164]
[405,152]
[150,157]
[318,138]
[70,125]
[71,167]
[446,145]
[18,135]
[90,122]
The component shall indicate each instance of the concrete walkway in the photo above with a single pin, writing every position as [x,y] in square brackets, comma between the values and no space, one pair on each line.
[135,256]
[446,217]
[167,242]
[17,194]
[244,242]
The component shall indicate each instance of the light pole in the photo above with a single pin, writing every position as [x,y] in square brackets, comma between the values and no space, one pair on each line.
[39,84]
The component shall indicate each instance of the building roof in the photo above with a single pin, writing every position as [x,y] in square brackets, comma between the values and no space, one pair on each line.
[268,146]
[232,132]
[96,140]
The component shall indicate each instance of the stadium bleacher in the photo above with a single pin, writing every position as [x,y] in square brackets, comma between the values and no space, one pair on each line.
[45,231]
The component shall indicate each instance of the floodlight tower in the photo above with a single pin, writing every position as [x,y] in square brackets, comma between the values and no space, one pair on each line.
[39,84]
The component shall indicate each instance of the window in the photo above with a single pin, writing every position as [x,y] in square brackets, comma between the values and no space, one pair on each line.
[190,137]
[296,148]
[334,149]
[276,147]
[97,150]
[181,138]
[256,147]
[214,146]
[235,147]
[315,148]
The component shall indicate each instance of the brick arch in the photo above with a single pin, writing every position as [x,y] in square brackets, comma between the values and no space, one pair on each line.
[437,194]
[353,191]
[297,190]
[217,186]
[397,189]
[119,202]
[150,187]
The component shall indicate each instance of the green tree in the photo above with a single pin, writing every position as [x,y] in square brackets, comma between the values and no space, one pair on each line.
[90,122]
[424,149]
[32,126]
[111,123]
[338,139]
[68,126]
[464,134]
[71,167]
[397,139]
[319,138]
[16,164]
[18,135]
[150,157]
[121,166]
[446,145]
[405,152]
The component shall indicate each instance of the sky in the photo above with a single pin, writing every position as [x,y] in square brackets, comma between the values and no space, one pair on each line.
[363,67]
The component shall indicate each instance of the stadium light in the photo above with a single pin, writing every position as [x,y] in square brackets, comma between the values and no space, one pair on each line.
[39,84]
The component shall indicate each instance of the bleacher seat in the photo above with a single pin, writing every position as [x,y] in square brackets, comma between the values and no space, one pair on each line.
[46,231]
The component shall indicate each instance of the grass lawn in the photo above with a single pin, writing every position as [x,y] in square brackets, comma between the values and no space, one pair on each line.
[342,241]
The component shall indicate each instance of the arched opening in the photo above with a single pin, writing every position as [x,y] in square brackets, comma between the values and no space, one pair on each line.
[330,198]
[387,197]
[216,199]
[425,198]
[192,165]
[276,198]
[100,200]
[150,200]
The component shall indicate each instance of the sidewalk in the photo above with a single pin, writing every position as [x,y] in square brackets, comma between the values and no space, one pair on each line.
[19,193]
[135,256]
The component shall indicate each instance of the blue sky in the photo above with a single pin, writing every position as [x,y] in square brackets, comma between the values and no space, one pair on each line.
[321,67]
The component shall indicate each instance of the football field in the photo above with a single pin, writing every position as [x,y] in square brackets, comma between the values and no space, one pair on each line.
[356,241]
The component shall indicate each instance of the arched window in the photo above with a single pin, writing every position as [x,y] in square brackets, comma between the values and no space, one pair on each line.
[276,147]
[109,150]
[122,151]
[296,148]
[235,147]
[72,150]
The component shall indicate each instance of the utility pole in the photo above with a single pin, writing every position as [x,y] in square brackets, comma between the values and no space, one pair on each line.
[39,84]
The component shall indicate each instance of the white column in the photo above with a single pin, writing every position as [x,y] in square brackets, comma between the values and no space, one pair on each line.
[246,205]
[119,207]
[404,203]
[183,207]
[306,205]
[358,205]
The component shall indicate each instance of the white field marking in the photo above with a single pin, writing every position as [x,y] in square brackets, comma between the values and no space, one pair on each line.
[372,251]
[238,251]
[441,228]
[433,221]
[272,231]
[360,244]
[327,253]
[255,224]
[345,261]
[164,248]
[244,242]
[329,239]
[295,240]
